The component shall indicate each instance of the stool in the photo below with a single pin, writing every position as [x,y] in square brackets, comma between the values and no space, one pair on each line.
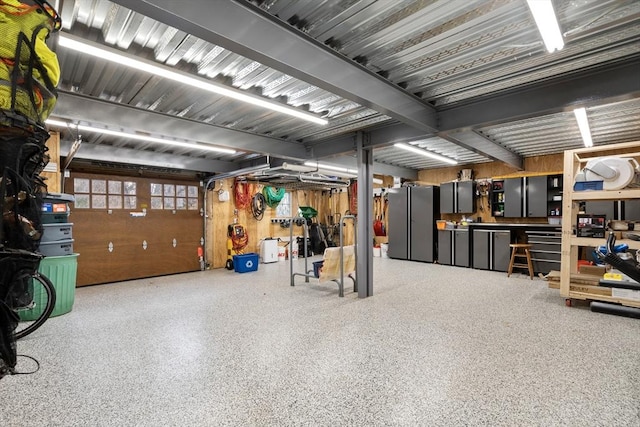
[520,250]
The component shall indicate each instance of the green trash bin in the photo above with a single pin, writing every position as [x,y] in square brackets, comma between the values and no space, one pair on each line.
[62,271]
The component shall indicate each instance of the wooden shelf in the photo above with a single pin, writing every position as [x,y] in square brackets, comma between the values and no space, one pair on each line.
[625,194]
[591,296]
[598,241]
[573,161]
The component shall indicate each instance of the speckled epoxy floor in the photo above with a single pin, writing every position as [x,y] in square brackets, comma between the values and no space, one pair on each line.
[435,346]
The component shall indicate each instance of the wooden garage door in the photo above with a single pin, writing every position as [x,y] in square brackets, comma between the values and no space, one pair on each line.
[127,227]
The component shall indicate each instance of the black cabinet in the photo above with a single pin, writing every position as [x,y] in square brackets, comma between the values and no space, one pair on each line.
[412,214]
[554,195]
[497,198]
[457,197]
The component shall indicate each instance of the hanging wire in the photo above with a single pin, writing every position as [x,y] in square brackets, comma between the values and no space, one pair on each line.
[273,195]
[258,206]
[241,193]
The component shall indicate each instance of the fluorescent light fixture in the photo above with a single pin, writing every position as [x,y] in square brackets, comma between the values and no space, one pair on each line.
[94,49]
[330,167]
[426,153]
[583,124]
[545,17]
[190,145]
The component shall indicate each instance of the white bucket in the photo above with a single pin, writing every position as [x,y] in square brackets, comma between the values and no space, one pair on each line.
[384,249]
[281,253]
[376,251]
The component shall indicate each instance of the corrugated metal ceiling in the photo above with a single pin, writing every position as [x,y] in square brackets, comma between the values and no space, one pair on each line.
[444,52]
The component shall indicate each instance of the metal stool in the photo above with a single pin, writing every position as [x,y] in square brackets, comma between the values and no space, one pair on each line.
[517,253]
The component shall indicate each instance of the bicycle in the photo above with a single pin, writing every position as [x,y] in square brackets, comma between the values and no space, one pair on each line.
[31,295]
[27,299]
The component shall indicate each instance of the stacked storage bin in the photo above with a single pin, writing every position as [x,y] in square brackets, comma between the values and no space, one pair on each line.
[60,264]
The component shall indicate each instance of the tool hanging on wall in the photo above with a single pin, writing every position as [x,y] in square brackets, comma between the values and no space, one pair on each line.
[237,241]
[241,193]
[352,193]
[482,191]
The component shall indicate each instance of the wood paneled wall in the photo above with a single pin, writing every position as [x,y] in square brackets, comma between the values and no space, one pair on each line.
[53,178]
[550,164]
[221,214]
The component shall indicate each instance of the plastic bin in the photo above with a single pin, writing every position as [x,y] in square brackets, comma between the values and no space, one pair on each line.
[57,248]
[57,231]
[245,263]
[55,217]
[317,265]
[62,271]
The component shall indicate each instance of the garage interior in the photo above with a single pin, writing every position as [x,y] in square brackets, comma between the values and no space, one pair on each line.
[171,118]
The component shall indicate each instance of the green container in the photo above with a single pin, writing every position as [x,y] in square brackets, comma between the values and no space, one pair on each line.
[61,270]
[307,212]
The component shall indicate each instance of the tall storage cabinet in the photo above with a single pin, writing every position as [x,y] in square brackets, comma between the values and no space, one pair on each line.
[573,161]
[412,215]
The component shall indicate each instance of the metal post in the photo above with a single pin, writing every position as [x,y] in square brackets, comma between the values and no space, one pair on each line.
[364,266]
[306,255]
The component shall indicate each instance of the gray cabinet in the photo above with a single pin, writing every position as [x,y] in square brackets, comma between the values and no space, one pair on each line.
[608,208]
[536,201]
[466,197]
[513,197]
[491,249]
[445,247]
[526,197]
[398,212]
[461,248]
[481,248]
[447,197]
[412,214]
[501,250]
[457,197]
[632,210]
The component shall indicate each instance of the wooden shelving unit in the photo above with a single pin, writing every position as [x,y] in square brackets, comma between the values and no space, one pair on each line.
[574,160]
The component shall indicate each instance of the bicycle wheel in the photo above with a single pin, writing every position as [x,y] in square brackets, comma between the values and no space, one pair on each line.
[44,300]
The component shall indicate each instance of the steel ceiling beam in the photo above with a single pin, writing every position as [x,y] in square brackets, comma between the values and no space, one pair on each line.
[130,156]
[247,30]
[594,87]
[95,111]
[480,144]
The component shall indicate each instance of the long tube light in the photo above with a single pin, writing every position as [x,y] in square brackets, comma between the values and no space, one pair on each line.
[583,125]
[94,49]
[545,17]
[138,137]
[425,153]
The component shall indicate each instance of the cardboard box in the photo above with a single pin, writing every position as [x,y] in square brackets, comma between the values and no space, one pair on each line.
[380,239]
[594,270]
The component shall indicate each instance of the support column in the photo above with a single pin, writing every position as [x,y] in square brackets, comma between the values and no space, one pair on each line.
[364,269]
